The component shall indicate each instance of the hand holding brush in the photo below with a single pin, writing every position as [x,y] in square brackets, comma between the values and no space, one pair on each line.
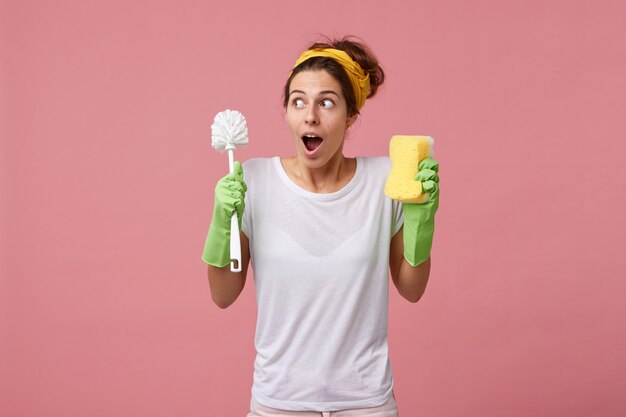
[223,243]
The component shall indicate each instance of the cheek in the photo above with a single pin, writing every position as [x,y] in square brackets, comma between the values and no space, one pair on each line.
[290,123]
[340,126]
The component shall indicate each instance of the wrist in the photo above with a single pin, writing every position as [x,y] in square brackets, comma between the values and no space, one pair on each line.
[419,229]
[217,245]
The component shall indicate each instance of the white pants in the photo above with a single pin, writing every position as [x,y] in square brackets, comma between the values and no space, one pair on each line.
[389,409]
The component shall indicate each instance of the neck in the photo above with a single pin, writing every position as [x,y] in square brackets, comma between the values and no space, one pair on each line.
[328,178]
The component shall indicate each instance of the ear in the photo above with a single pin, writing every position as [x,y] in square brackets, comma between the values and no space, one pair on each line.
[351,120]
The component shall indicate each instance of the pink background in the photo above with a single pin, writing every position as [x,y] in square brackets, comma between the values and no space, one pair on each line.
[107,175]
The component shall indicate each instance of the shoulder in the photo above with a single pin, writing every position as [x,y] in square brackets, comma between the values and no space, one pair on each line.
[379,164]
[255,163]
[256,166]
[375,170]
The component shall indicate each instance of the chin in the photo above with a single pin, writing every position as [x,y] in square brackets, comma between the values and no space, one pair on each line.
[316,162]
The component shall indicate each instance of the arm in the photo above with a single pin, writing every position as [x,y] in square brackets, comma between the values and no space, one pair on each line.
[226,285]
[409,280]
[229,197]
[409,254]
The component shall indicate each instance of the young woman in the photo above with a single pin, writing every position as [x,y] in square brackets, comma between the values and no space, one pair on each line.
[322,238]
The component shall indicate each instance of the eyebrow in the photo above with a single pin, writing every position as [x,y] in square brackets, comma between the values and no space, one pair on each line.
[321,92]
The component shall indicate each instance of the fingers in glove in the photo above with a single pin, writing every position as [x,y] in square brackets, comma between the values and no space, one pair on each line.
[428,163]
[231,182]
[229,193]
[231,202]
[238,169]
[236,186]
[427,175]
[236,178]
[234,196]
[430,187]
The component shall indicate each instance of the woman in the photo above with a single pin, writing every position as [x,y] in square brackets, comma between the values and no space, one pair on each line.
[322,238]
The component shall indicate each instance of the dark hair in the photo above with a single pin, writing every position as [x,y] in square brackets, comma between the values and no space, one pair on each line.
[359,52]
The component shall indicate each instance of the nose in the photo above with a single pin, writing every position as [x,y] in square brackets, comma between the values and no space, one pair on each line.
[311,117]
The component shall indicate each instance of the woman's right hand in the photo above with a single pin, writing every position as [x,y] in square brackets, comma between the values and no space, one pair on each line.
[229,198]
[230,192]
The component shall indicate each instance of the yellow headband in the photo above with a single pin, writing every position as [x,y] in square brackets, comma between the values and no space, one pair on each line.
[360,79]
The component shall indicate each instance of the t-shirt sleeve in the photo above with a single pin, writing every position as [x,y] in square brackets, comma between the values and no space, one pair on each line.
[398,216]
[246,222]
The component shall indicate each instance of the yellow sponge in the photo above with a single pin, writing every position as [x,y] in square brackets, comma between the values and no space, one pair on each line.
[406,152]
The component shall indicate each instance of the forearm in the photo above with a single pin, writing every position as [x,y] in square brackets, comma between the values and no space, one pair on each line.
[225,285]
[411,280]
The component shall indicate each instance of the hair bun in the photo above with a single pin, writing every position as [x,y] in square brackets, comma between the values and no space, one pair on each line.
[362,54]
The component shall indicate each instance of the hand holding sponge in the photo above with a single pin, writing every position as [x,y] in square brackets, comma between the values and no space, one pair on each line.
[414,181]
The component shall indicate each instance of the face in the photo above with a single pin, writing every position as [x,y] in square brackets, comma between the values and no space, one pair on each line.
[317,116]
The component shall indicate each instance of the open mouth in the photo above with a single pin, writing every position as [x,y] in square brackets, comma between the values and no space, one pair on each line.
[311,142]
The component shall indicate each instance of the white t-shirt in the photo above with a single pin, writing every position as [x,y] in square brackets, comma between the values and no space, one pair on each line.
[321,269]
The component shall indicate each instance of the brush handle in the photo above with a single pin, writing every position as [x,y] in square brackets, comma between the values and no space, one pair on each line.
[235,243]
[231,160]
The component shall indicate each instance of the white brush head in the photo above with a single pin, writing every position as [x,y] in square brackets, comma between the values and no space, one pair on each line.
[229,130]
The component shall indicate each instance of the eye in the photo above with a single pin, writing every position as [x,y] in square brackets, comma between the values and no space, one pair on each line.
[298,102]
[327,103]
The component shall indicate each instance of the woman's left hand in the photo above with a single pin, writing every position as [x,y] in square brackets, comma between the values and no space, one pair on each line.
[419,218]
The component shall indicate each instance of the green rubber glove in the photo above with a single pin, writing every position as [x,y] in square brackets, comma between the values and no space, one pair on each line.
[419,218]
[229,197]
